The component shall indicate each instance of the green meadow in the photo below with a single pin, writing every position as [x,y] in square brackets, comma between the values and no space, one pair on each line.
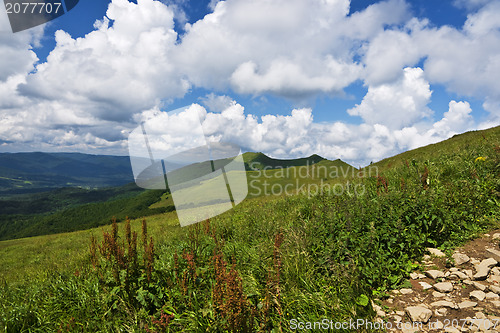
[298,248]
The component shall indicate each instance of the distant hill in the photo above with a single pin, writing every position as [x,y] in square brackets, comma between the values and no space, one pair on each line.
[259,161]
[37,171]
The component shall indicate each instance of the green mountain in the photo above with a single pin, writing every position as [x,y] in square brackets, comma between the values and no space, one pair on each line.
[259,161]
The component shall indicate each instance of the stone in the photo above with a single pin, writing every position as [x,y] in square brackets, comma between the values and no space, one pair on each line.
[469,273]
[397,318]
[493,288]
[437,294]
[480,315]
[492,295]
[483,269]
[495,270]
[414,275]
[400,313]
[479,286]
[443,287]
[467,282]
[444,304]
[495,303]
[441,312]
[425,285]
[490,262]
[459,275]
[496,236]
[482,273]
[436,252]
[451,329]
[434,274]
[460,258]
[405,291]
[466,304]
[477,295]
[493,254]
[494,279]
[419,314]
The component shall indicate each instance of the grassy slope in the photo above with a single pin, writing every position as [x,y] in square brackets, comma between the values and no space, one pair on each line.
[25,258]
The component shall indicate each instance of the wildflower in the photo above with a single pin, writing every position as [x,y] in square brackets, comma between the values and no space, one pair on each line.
[480,158]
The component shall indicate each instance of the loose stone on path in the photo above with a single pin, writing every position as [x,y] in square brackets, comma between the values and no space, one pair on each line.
[419,314]
[443,287]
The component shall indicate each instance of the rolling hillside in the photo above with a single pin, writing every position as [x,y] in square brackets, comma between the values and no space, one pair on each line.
[259,161]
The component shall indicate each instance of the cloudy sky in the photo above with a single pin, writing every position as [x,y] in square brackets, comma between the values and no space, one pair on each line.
[358,80]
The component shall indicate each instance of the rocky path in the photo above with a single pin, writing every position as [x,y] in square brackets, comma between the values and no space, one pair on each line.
[460,293]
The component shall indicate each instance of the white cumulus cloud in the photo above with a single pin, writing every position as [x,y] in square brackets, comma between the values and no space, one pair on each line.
[398,104]
[124,66]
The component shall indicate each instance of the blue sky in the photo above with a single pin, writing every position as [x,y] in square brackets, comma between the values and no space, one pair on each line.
[358,80]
